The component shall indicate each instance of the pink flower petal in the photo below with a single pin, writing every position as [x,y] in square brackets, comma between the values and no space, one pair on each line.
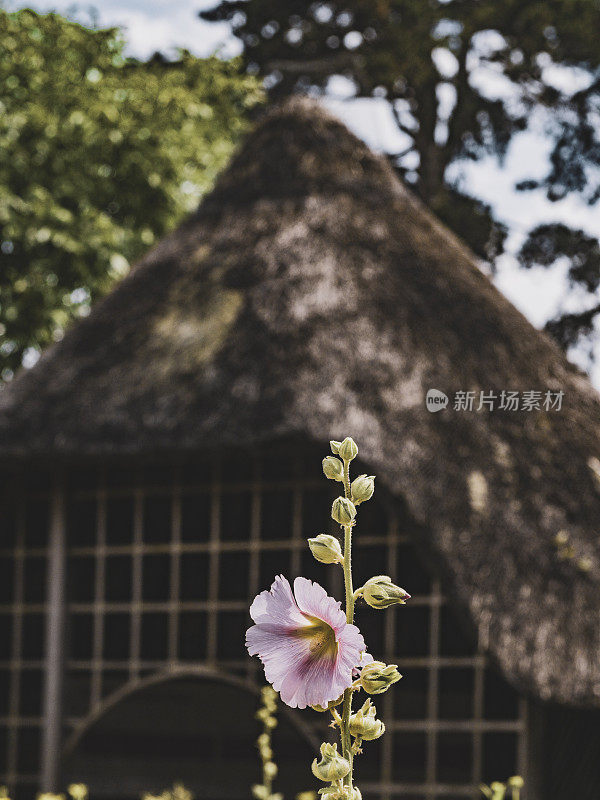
[314,600]
[308,650]
[365,658]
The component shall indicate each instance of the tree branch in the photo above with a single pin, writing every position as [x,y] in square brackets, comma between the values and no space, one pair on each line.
[400,124]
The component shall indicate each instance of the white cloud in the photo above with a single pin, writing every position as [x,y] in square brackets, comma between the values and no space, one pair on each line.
[151,25]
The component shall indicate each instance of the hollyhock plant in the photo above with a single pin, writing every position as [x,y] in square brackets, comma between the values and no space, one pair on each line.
[313,653]
[305,643]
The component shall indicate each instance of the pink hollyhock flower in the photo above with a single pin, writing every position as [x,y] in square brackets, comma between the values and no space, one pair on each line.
[308,649]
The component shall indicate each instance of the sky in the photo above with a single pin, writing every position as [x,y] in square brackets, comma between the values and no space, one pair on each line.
[165,25]
[150,25]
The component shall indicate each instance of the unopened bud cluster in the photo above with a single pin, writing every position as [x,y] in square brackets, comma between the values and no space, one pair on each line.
[266,715]
[374,677]
[346,450]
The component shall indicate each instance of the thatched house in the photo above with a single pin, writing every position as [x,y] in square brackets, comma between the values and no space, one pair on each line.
[162,463]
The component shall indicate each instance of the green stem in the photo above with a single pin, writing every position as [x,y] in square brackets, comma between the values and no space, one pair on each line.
[336,716]
[347,706]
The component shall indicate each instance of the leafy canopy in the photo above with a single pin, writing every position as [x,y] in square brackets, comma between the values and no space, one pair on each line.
[462,77]
[100,156]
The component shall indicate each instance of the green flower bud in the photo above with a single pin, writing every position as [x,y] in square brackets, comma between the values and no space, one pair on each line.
[362,488]
[561,538]
[179,792]
[78,791]
[326,549]
[377,677]
[516,782]
[335,447]
[332,766]
[269,699]
[268,693]
[270,770]
[264,715]
[348,449]
[343,510]
[364,724]
[260,792]
[380,592]
[333,468]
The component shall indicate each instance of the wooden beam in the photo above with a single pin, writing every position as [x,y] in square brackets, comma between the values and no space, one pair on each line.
[55,643]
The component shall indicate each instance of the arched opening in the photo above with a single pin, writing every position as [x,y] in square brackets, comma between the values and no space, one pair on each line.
[198,730]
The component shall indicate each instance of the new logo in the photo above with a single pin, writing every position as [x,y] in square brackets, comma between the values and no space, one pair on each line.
[435,400]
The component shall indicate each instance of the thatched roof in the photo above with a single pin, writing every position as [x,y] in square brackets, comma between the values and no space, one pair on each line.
[312,294]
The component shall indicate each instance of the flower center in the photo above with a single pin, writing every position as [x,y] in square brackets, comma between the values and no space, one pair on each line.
[321,638]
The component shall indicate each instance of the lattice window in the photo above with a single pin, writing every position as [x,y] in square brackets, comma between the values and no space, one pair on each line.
[23,535]
[161,566]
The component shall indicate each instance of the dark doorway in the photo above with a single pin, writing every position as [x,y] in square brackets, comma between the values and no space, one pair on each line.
[192,730]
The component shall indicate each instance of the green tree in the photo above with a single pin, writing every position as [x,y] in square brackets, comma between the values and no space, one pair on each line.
[100,156]
[462,77]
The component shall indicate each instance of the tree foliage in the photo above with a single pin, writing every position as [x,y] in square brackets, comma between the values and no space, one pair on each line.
[462,77]
[100,156]
[545,246]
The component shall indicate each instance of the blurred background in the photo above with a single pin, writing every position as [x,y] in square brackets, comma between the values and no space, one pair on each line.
[114,123]
[488,110]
